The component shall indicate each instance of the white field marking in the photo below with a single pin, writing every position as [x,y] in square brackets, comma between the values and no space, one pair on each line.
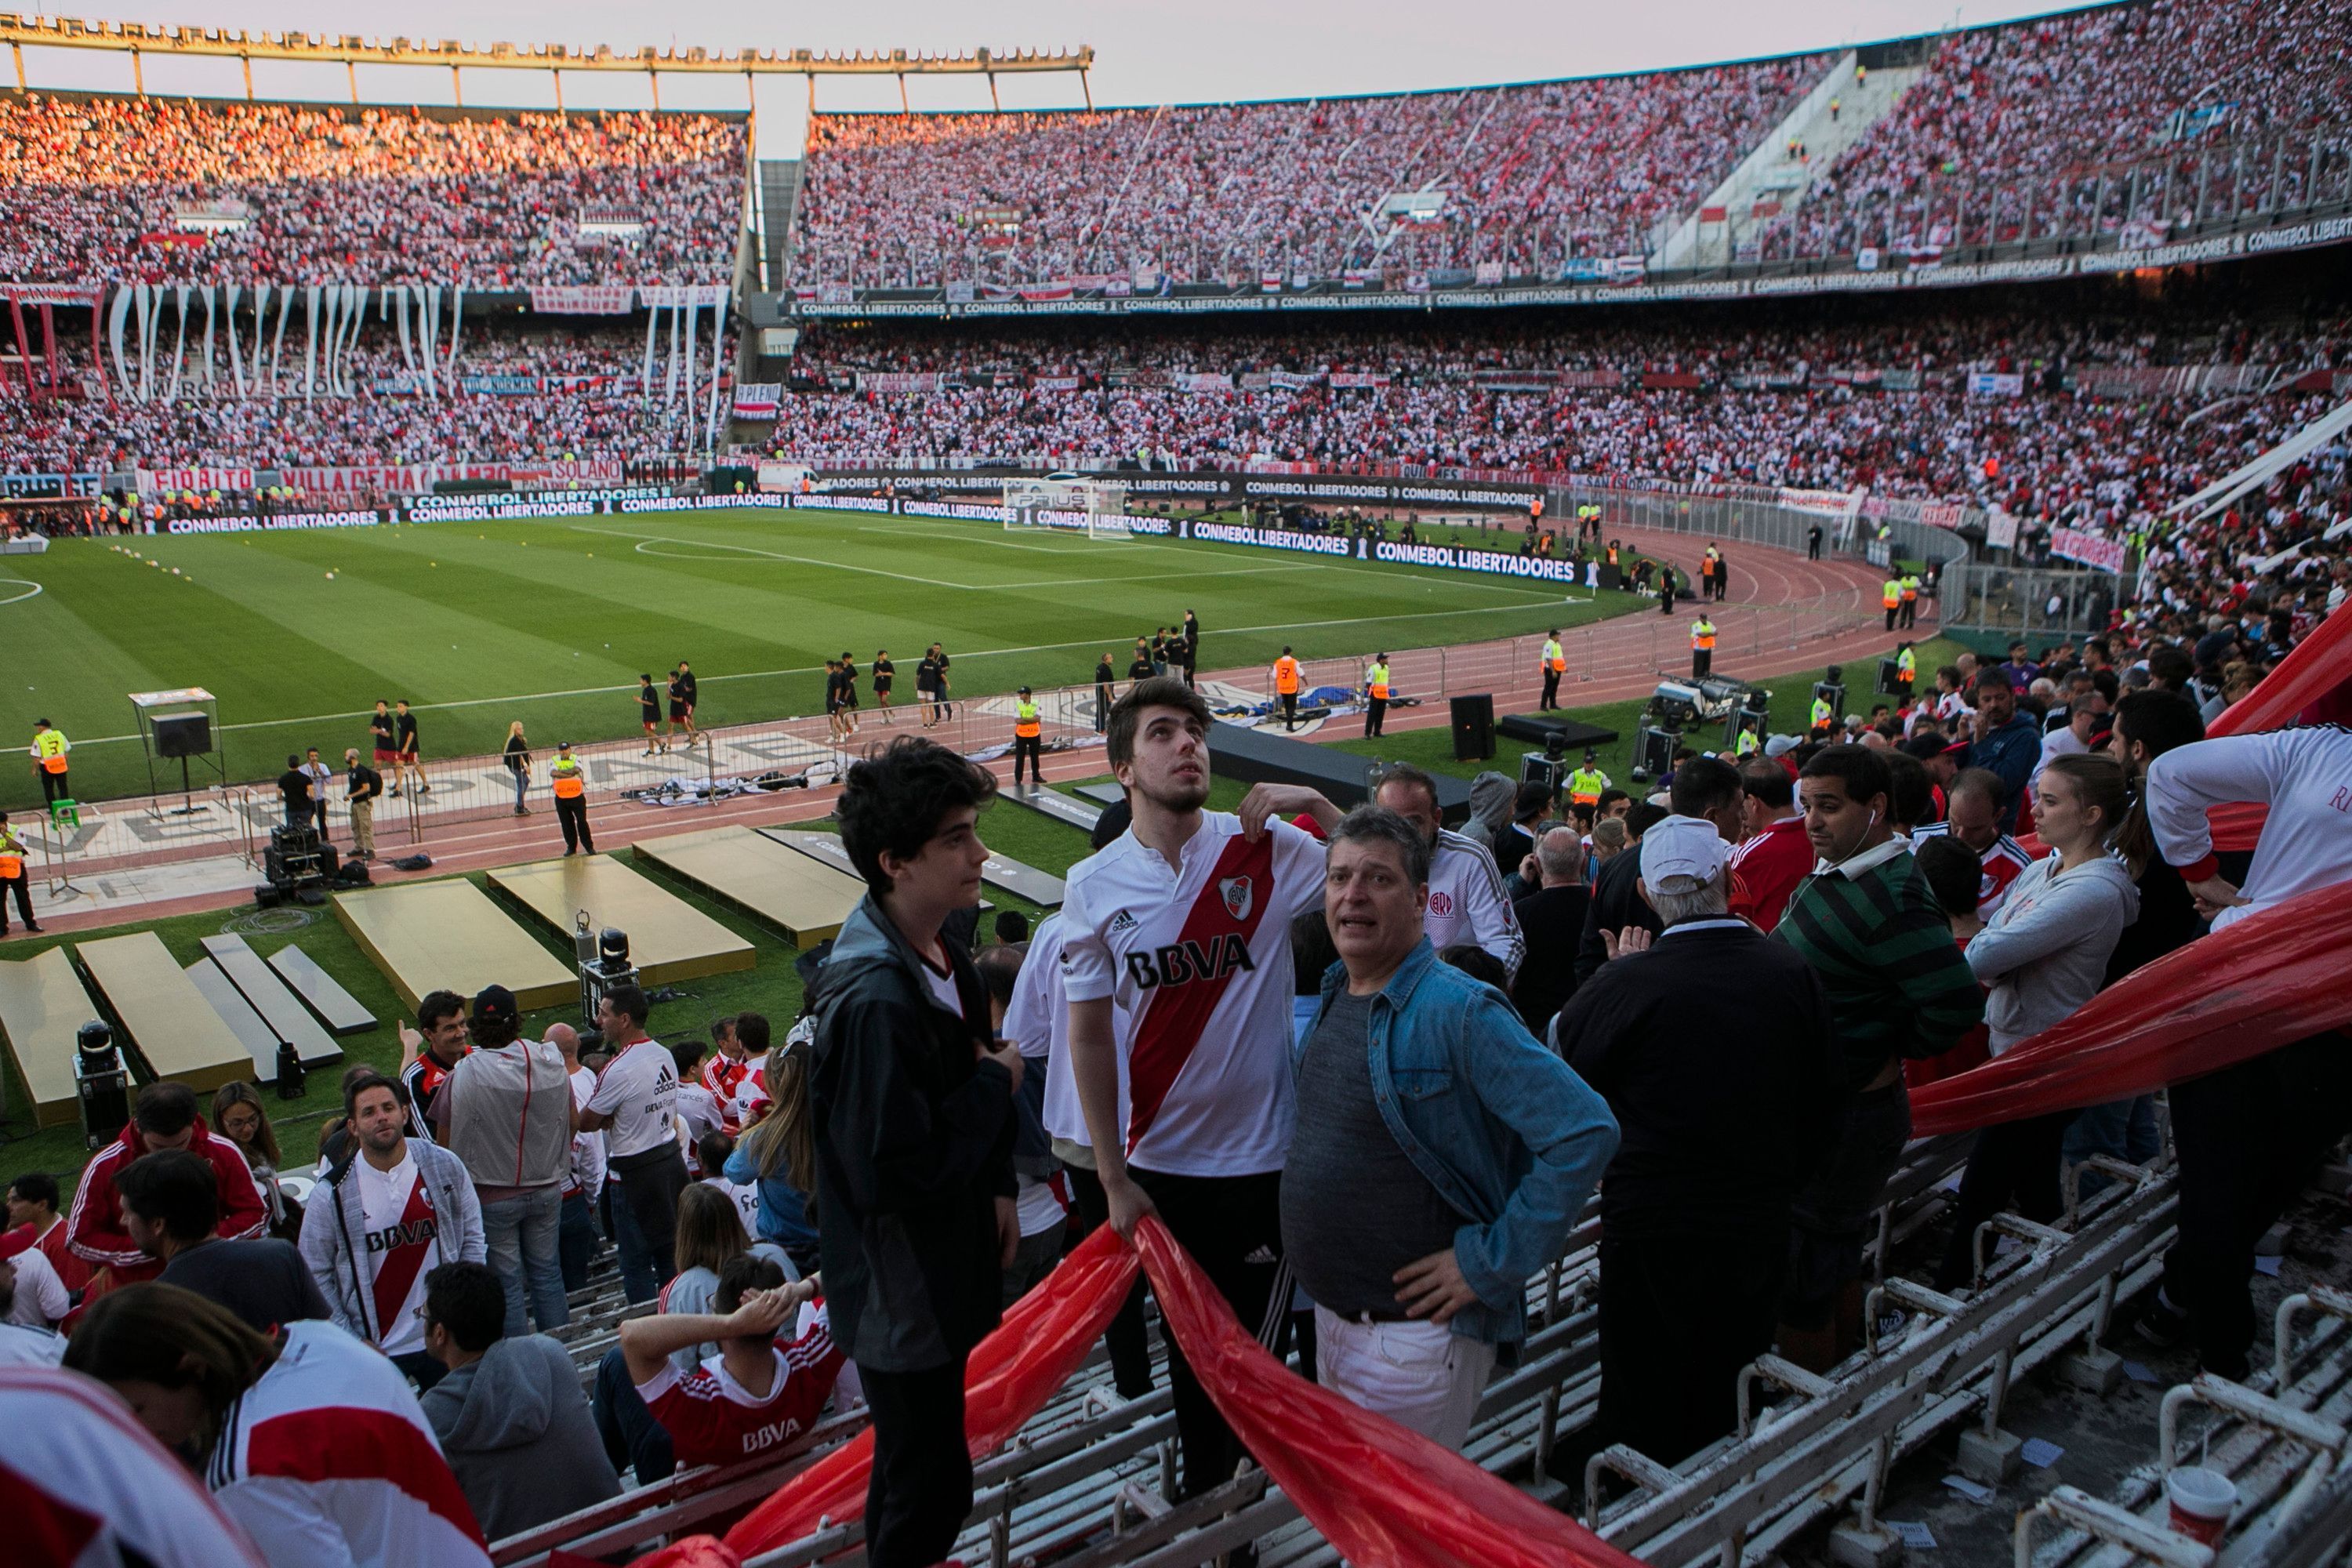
[645,538]
[804,669]
[949,533]
[31,589]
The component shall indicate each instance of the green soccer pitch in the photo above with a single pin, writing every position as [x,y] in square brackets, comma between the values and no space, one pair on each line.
[297,633]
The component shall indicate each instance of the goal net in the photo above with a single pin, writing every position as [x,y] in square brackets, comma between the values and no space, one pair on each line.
[1096,508]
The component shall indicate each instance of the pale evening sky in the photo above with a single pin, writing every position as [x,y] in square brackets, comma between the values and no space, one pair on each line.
[1205,50]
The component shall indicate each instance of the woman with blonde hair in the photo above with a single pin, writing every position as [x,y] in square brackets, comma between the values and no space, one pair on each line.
[778,1154]
[518,760]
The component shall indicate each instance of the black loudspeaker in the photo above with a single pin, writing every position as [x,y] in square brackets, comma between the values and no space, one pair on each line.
[1473,727]
[1654,753]
[183,734]
[1889,678]
[1612,577]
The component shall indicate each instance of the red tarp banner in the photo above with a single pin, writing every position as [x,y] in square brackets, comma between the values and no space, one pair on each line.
[1012,1374]
[1385,1497]
[2260,983]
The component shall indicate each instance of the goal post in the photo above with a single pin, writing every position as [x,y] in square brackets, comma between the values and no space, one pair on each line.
[1072,503]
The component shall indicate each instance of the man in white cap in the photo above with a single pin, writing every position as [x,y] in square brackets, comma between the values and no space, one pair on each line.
[1710,1043]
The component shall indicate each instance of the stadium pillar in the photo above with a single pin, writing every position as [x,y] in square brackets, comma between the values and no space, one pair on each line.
[352,76]
[904,108]
[1086,88]
[559,91]
[18,50]
[138,74]
[456,87]
[994,102]
[246,61]
[654,79]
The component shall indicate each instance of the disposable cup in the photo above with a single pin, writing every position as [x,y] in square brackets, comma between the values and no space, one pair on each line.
[2202,1501]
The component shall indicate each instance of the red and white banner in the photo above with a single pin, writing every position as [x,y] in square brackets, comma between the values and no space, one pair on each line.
[1359,378]
[413,478]
[206,479]
[757,399]
[1822,503]
[582,299]
[1202,381]
[897,382]
[672,296]
[1057,383]
[2107,554]
[51,293]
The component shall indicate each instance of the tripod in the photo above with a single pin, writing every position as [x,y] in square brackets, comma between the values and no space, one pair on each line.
[188,807]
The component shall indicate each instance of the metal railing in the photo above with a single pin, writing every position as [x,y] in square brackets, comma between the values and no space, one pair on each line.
[2028,601]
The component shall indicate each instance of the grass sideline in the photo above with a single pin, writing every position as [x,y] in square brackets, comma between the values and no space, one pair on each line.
[297,633]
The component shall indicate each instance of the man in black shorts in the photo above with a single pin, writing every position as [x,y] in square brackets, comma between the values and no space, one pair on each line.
[926,686]
[939,657]
[1106,692]
[380,737]
[884,670]
[649,714]
[832,720]
[848,695]
[681,699]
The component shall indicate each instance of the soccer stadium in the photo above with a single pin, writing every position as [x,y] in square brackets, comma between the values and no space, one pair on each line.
[966,833]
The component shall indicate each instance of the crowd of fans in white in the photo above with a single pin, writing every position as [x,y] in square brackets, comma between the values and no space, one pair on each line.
[2006,135]
[2038,111]
[1224,192]
[90,187]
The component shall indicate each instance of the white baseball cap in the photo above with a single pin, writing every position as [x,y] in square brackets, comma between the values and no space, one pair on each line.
[1683,846]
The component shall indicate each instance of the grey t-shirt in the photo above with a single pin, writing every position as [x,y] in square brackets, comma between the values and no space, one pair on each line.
[1355,1209]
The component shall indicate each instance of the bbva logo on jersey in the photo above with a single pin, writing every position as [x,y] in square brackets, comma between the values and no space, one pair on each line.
[1181,962]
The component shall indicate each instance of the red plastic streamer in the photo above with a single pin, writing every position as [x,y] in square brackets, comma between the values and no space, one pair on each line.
[2268,980]
[1011,1374]
[1385,1497]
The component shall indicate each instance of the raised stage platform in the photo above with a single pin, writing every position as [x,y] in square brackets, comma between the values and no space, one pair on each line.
[42,1003]
[1259,756]
[670,939]
[449,935]
[1042,888]
[1539,728]
[798,894]
[162,1017]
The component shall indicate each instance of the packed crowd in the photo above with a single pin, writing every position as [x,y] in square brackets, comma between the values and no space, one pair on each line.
[94,189]
[2041,109]
[584,402]
[1529,175]
[1709,1006]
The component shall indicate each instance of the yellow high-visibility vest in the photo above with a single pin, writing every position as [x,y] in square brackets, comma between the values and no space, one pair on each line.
[1910,585]
[1377,678]
[1823,714]
[1585,785]
[1907,663]
[50,747]
[570,782]
[1702,635]
[1552,659]
[1024,722]
[1891,594]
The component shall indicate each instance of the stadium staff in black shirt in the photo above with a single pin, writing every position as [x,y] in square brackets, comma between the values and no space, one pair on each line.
[405,761]
[939,657]
[686,683]
[926,686]
[1105,691]
[884,673]
[649,714]
[381,739]
[294,792]
[361,784]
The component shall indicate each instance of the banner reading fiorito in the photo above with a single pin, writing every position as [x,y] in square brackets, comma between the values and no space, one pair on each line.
[2107,554]
[582,299]
[207,479]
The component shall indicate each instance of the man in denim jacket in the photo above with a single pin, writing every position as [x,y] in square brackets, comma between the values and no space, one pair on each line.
[1441,1154]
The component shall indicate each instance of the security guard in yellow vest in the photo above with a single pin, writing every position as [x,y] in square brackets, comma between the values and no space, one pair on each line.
[1907,671]
[1824,717]
[1585,785]
[1376,695]
[1702,646]
[569,780]
[1028,737]
[1554,662]
[1890,594]
[49,749]
[15,877]
[1747,745]
[1908,584]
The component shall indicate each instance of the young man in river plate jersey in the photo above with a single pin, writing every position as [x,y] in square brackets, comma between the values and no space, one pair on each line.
[1177,962]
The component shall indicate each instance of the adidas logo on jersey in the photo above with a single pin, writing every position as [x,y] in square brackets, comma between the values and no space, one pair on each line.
[1181,962]
[1122,921]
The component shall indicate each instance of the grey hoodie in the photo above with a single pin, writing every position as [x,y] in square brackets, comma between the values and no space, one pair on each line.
[1491,795]
[2046,951]
[518,1434]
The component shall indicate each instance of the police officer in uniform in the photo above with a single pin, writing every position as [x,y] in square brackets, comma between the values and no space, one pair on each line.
[1554,662]
[15,879]
[1286,687]
[1376,695]
[49,749]
[1702,646]
[1028,737]
[571,784]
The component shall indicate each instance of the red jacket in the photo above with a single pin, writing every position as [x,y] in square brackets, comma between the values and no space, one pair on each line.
[94,1225]
[1766,870]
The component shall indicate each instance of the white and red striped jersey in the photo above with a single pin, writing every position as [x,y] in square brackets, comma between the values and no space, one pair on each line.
[587,1171]
[2303,776]
[712,1419]
[1195,959]
[1467,902]
[721,1073]
[751,1100]
[403,1245]
[2001,863]
[329,1460]
[92,1490]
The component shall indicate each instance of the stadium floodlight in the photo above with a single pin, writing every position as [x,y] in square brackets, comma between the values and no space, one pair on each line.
[1075,503]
